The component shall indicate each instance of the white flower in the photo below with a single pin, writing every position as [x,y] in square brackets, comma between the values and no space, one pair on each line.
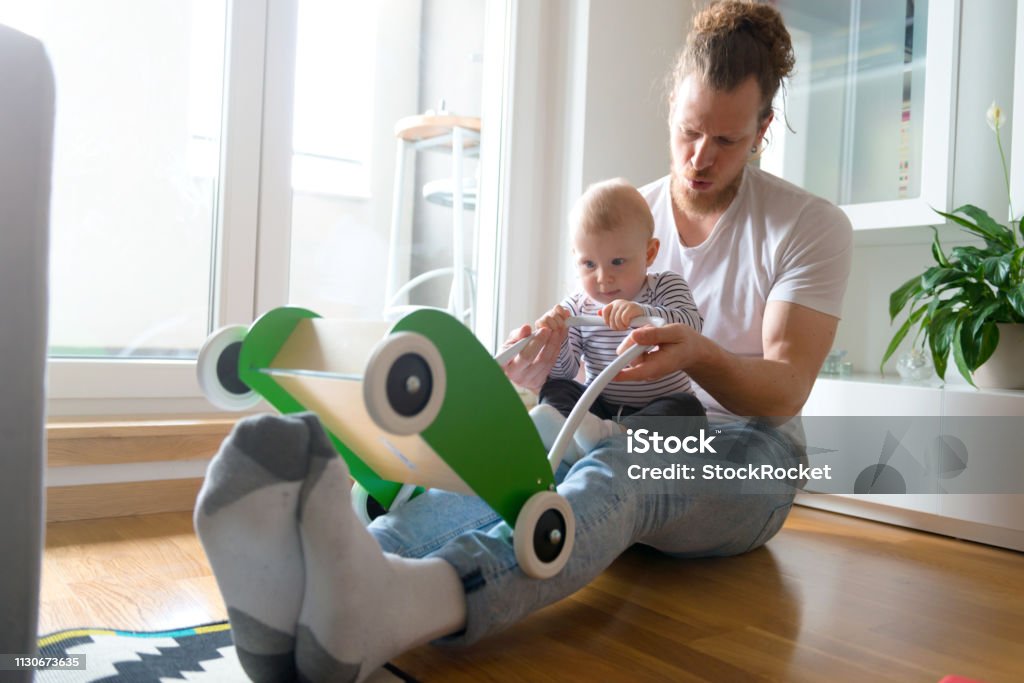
[994,116]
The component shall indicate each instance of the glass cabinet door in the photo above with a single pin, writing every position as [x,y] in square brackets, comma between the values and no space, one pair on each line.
[865,120]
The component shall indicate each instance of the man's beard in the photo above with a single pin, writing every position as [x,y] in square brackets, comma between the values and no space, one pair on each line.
[703,203]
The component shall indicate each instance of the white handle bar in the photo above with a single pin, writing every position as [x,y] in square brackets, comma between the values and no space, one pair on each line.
[572,423]
[576,321]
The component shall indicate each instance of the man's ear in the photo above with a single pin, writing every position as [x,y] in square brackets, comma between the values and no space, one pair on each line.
[764,125]
[653,245]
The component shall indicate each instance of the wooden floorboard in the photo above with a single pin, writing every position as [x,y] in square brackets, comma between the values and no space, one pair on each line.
[830,598]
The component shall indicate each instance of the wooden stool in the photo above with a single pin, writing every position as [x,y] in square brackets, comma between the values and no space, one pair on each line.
[458,136]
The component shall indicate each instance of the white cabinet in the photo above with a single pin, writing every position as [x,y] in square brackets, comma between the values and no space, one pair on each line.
[867,119]
[995,461]
[979,496]
[870,396]
[839,410]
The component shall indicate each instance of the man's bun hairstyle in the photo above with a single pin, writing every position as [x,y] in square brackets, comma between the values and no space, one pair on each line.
[732,40]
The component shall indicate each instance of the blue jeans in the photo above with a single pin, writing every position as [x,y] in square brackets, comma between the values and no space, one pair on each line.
[696,518]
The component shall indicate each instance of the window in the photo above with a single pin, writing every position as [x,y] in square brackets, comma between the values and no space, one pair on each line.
[347,183]
[868,111]
[136,156]
[215,159]
[334,92]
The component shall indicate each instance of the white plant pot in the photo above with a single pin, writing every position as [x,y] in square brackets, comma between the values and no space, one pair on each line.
[1005,368]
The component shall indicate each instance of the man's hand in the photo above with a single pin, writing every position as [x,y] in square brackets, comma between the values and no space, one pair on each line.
[532,365]
[677,347]
[620,313]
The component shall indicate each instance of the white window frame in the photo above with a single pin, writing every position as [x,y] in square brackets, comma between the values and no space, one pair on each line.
[541,161]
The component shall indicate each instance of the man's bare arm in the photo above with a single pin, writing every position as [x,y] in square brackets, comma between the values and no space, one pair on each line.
[796,340]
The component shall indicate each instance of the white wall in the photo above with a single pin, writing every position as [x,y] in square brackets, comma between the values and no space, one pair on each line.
[597,109]
[632,48]
[630,51]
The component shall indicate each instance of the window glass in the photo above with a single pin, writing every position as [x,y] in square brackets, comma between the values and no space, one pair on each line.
[849,125]
[135,174]
[362,210]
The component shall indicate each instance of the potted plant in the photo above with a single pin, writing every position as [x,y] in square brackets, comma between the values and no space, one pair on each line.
[971,302]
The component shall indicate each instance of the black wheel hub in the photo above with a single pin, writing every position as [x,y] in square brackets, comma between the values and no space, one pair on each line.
[373,508]
[543,545]
[409,384]
[227,369]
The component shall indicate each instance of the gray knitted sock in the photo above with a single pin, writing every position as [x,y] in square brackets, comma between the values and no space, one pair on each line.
[247,520]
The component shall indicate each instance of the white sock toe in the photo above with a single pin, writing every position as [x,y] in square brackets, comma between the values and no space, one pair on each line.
[593,430]
[548,422]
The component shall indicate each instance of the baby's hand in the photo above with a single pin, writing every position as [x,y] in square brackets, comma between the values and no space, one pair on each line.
[620,313]
[554,320]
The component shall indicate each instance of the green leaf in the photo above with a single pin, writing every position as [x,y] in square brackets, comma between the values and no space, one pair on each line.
[968,345]
[995,235]
[966,292]
[937,252]
[940,337]
[982,315]
[976,294]
[986,344]
[971,257]
[1016,299]
[997,268]
[899,336]
[1017,265]
[936,276]
[958,354]
[990,240]
[927,318]
[899,298]
[999,233]
[939,361]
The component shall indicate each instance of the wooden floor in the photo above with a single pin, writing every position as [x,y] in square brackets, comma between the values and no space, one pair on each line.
[830,598]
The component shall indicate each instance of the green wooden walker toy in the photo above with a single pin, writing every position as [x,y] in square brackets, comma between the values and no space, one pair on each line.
[421,404]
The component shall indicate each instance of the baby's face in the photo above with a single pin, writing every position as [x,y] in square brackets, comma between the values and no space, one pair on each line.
[613,264]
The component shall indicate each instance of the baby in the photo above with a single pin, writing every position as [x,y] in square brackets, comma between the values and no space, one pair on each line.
[613,245]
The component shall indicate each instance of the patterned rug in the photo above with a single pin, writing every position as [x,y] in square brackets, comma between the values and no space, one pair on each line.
[200,654]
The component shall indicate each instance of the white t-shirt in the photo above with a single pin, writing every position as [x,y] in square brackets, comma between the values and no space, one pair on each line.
[775,242]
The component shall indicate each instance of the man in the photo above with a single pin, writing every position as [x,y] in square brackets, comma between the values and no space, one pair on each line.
[309,589]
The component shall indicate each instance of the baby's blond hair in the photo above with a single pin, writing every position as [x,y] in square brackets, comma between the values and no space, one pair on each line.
[612,205]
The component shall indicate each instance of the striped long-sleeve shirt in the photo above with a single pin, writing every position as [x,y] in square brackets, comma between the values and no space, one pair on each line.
[665,295]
